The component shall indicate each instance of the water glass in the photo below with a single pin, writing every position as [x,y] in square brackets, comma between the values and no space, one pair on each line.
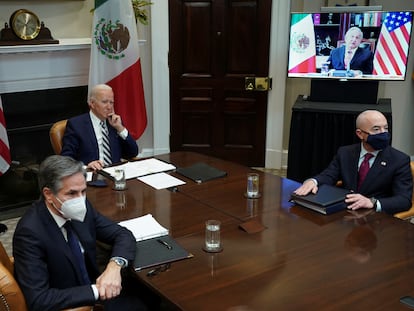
[119,179]
[212,238]
[252,185]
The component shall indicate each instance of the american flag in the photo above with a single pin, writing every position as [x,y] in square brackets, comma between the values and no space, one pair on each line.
[5,159]
[392,49]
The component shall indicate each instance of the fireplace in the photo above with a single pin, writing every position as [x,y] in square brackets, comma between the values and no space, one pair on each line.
[51,87]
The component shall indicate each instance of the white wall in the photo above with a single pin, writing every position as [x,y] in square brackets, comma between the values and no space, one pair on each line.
[72,19]
[401,93]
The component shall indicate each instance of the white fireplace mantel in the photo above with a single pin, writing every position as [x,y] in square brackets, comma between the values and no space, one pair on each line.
[47,66]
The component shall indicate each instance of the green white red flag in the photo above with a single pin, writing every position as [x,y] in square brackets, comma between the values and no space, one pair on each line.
[115,61]
[302,53]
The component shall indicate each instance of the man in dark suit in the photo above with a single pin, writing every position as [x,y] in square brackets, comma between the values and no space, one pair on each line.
[83,139]
[351,56]
[388,185]
[46,267]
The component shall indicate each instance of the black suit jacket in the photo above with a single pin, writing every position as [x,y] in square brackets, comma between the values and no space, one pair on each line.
[389,179]
[79,141]
[362,60]
[44,265]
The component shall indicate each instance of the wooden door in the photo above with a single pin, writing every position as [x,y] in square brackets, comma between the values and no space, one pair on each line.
[214,45]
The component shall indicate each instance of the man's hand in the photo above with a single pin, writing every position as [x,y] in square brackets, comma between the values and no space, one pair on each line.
[109,282]
[116,122]
[356,201]
[95,165]
[307,187]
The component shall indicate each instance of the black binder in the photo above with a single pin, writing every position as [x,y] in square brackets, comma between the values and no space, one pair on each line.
[329,199]
[201,172]
[158,251]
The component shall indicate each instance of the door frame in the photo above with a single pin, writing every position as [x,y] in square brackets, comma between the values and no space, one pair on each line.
[276,157]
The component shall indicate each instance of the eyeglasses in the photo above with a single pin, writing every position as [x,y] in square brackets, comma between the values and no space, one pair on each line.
[159,269]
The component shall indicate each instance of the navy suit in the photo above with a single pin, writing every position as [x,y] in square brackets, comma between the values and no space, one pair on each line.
[45,267]
[79,141]
[362,60]
[389,178]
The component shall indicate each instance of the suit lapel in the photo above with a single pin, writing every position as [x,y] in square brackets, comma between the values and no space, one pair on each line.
[354,166]
[88,128]
[376,169]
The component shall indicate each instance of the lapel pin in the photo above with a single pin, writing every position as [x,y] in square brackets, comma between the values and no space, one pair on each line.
[384,163]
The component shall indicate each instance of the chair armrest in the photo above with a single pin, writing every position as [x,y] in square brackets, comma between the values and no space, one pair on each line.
[405,214]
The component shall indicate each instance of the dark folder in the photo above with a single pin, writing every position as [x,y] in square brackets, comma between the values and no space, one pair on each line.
[201,172]
[327,200]
[152,252]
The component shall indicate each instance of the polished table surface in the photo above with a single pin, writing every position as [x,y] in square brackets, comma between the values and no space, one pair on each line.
[302,260]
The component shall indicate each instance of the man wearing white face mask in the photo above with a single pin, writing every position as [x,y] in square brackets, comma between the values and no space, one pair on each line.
[54,247]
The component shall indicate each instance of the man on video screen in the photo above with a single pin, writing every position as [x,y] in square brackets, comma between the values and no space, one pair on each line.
[351,56]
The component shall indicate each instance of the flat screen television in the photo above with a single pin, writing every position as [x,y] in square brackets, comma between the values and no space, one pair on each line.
[371,45]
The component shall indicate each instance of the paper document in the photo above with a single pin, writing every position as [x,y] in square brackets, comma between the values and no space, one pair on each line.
[161,180]
[144,227]
[140,168]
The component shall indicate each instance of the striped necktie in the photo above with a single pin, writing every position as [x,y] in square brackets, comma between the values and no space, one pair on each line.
[347,59]
[107,158]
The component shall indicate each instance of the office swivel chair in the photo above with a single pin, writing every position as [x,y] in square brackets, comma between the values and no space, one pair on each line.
[56,134]
[11,296]
[410,213]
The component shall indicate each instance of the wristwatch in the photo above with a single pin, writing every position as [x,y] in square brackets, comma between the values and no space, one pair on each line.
[374,202]
[119,261]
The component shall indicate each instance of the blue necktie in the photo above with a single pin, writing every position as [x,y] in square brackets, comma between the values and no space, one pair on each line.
[74,246]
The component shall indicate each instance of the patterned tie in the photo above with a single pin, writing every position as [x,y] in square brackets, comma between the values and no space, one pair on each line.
[107,158]
[347,60]
[363,169]
[73,243]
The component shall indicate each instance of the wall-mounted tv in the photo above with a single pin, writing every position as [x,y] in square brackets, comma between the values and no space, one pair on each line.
[371,45]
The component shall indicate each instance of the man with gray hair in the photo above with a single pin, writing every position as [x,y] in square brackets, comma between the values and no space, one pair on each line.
[351,56]
[98,138]
[54,247]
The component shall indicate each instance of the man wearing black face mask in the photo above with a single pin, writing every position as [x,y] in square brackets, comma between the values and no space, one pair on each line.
[387,183]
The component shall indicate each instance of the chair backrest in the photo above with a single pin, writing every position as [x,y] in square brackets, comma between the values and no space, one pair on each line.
[56,134]
[11,296]
[5,259]
[410,213]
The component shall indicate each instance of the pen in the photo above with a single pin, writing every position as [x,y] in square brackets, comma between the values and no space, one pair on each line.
[164,243]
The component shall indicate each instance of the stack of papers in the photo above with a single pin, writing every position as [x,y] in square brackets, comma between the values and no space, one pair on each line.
[144,227]
[140,168]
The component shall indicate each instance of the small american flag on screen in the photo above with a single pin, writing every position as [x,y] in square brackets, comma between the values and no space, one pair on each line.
[392,49]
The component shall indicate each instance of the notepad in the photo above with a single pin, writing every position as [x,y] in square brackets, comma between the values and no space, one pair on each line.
[328,199]
[153,253]
[139,168]
[144,227]
[201,172]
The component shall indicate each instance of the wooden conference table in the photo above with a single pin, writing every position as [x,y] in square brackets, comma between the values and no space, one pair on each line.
[302,260]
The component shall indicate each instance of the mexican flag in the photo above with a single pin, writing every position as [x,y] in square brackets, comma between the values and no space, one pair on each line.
[115,61]
[302,52]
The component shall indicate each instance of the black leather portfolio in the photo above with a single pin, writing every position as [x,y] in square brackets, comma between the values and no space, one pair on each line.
[201,172]
[328,199]
[158,251]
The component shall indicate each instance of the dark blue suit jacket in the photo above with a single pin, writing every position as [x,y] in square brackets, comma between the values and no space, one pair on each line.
[44,265]
[79,142]
[389,179]
[362,60]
